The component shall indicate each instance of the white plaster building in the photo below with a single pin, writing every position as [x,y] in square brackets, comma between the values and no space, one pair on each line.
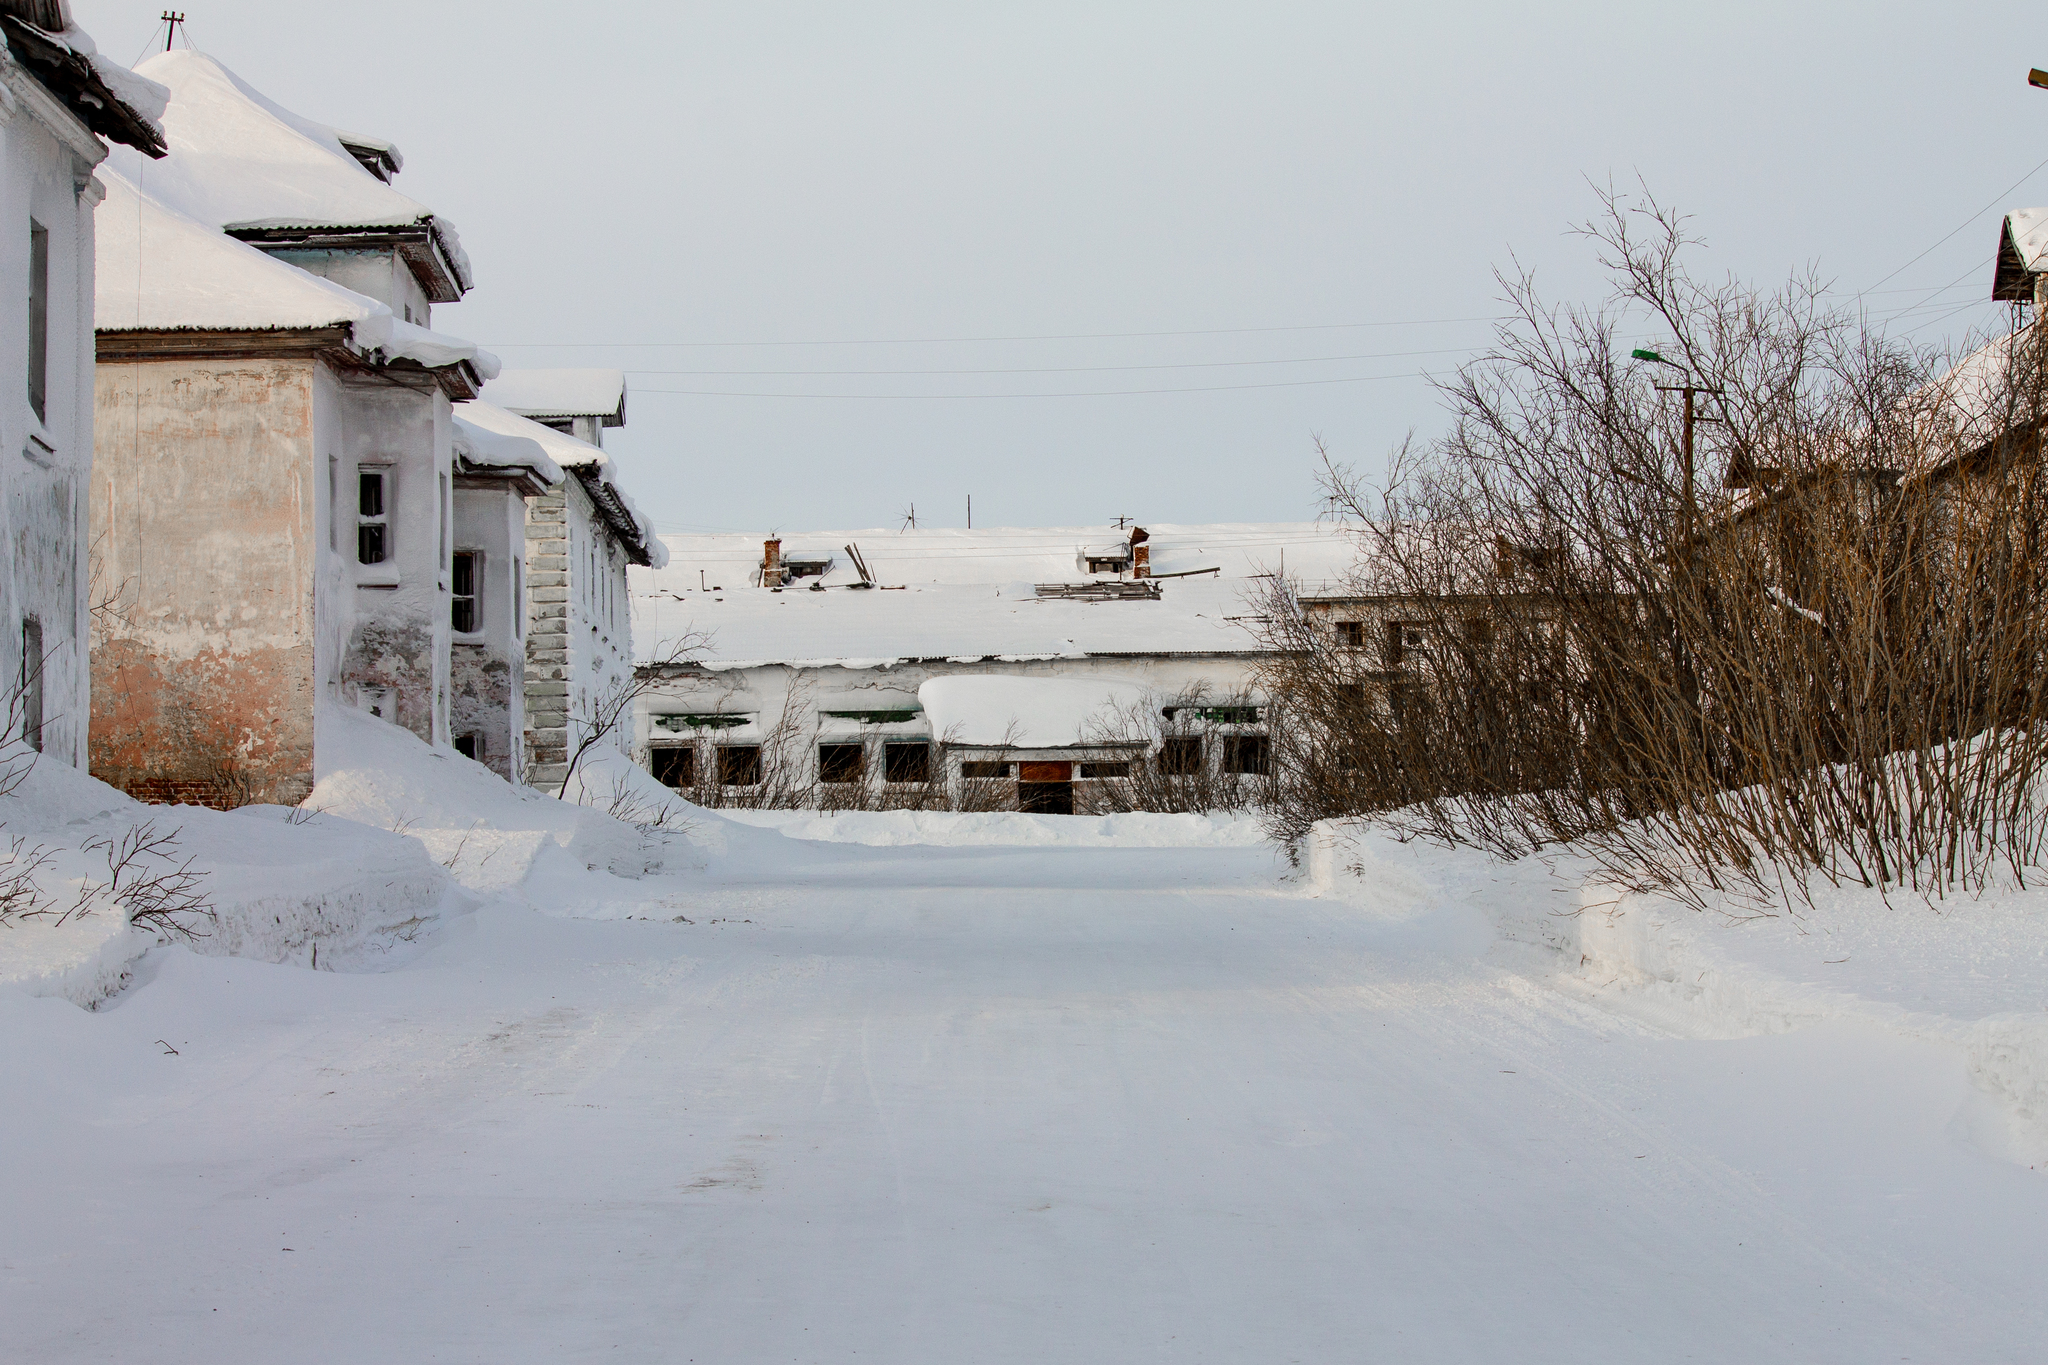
[922,658]
[60,102]
[274,490]
[580,537]
[495,474]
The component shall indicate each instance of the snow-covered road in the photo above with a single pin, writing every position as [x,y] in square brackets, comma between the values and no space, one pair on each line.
[999,1104]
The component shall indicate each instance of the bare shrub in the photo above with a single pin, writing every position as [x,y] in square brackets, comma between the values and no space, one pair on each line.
[1178,747]
[1818,651]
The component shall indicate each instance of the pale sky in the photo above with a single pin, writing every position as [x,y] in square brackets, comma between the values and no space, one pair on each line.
[936,213]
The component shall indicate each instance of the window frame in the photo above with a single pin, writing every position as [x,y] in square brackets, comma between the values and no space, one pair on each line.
[473,561]
[38,320]
[826,768]
[735,771]
[915,769]
[386,477]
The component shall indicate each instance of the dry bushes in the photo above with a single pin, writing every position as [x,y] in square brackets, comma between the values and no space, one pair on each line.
[1823,653]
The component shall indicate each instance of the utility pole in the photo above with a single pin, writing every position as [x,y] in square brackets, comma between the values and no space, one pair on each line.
[1691,391]
[970,511]
[173,19]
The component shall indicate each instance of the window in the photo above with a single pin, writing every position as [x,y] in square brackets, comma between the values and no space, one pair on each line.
[444,519]
[333,503]
[839,762]
[982,768]
[1351,634]
[470,746]
[739,765]
[1251,754]
[462,610]
[1351,696]
[1180,755]
[32,683]
[1403,638]
[1105,770]
[674,765]
[38,317]
[911,762]
[373,526]
[519,597]
[1479,634]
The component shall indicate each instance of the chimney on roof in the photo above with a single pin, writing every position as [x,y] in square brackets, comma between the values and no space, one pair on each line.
[771,563]
[1141,553]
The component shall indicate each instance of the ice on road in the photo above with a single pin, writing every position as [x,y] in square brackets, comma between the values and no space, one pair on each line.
[998,1104]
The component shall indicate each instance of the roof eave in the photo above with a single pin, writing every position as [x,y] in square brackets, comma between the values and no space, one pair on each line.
[419,244]
[73,82]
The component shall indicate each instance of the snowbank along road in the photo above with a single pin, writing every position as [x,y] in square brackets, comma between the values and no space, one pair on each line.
[875,1100]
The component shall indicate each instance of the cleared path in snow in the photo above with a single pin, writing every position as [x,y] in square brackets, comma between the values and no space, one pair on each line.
[941,1105]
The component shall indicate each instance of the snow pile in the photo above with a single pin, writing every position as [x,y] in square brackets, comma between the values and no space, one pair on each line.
[1008,829]
[280,889]
[1027,713]
[490,834]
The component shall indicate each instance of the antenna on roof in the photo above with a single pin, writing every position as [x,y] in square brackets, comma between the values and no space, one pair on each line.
[171,19]
[1120,522]
[909,520]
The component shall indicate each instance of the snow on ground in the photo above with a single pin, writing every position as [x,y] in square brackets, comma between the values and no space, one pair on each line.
[894,828]
[987,1097]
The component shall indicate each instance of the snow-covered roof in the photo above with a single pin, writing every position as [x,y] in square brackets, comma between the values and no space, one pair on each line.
[596,470]
[159,270]
[481,446]
[108,98]
[1026,713]
[562,393]
[959,594]
[242,162]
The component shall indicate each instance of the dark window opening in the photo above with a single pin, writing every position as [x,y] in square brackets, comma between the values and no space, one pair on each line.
[674,765]
[1403,639]
[739,765]
[1106,769]
[373,543]
[1180,755]
[984,768]
[470,746]
[1247,754]
[1351,696]
[840,762]
[907,762]
[1351,634]
[32,683]
[38,317]
[462,612]
[1215,715]
[1046,798]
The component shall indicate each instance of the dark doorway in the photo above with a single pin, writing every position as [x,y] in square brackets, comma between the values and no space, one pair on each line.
[1045,788]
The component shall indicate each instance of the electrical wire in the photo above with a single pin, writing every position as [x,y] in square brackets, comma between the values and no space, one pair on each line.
[1082,393]
[1081,369]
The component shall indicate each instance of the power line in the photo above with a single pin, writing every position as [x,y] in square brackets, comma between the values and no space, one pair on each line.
[1083,393]
[934,341]
[1084,369]
[1967,221]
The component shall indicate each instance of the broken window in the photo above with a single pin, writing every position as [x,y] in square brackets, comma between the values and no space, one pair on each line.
[32,683]
[840,762]
[1106,769]
[462,610]
[1180,755]
[1351,634]
[470,745]
[1403,639]
[911,762]
[38,317]
[1247,754]
[984,768]
[673,765]
[739,765]
[373,526]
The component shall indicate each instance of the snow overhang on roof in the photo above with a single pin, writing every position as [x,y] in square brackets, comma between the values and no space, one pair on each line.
[192,279]
[556,394]
[2022,255]
[519,460]
[107,97]
[266,175]
[593,470]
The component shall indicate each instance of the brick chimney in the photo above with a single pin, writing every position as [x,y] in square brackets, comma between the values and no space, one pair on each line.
[771,563]
[1141,553]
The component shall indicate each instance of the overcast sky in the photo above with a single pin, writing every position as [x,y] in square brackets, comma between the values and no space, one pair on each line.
[935,214]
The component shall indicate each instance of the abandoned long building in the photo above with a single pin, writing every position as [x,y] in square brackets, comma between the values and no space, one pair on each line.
[912,662]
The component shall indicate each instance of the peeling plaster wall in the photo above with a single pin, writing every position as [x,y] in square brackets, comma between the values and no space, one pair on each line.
[487,682]
[44,464]
[224,515]
[203,520]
